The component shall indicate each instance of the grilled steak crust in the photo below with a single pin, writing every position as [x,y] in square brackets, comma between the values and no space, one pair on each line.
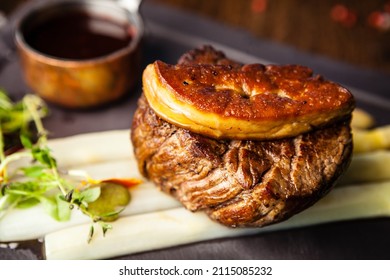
[239,182]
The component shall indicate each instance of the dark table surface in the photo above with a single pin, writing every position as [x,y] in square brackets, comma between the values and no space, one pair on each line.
[169,33]
[341,29]
[352,34]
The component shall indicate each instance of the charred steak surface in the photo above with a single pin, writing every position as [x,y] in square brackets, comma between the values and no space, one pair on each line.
[239,182]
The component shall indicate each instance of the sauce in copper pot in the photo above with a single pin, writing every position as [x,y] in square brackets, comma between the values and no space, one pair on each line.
[79,36]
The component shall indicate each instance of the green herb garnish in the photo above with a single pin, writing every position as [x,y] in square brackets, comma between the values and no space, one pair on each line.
[39,180]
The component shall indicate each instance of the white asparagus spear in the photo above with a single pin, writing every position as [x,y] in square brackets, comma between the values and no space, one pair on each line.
[34,223]
[25,224]
[178,226]
[92,147]
[371,139]
[368,167]
[87,149]
[361,119]
[102,155]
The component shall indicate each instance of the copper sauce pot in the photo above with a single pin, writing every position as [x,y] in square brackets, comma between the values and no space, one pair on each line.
[80,82]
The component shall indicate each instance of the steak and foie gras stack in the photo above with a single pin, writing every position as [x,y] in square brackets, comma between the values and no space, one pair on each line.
[250,145]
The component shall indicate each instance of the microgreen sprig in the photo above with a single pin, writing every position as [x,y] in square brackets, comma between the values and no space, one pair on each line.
[39,180]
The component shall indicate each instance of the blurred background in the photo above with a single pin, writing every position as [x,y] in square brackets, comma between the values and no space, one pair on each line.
[356,32]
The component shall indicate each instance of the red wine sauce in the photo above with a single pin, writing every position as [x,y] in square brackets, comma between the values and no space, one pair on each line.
[78,35]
